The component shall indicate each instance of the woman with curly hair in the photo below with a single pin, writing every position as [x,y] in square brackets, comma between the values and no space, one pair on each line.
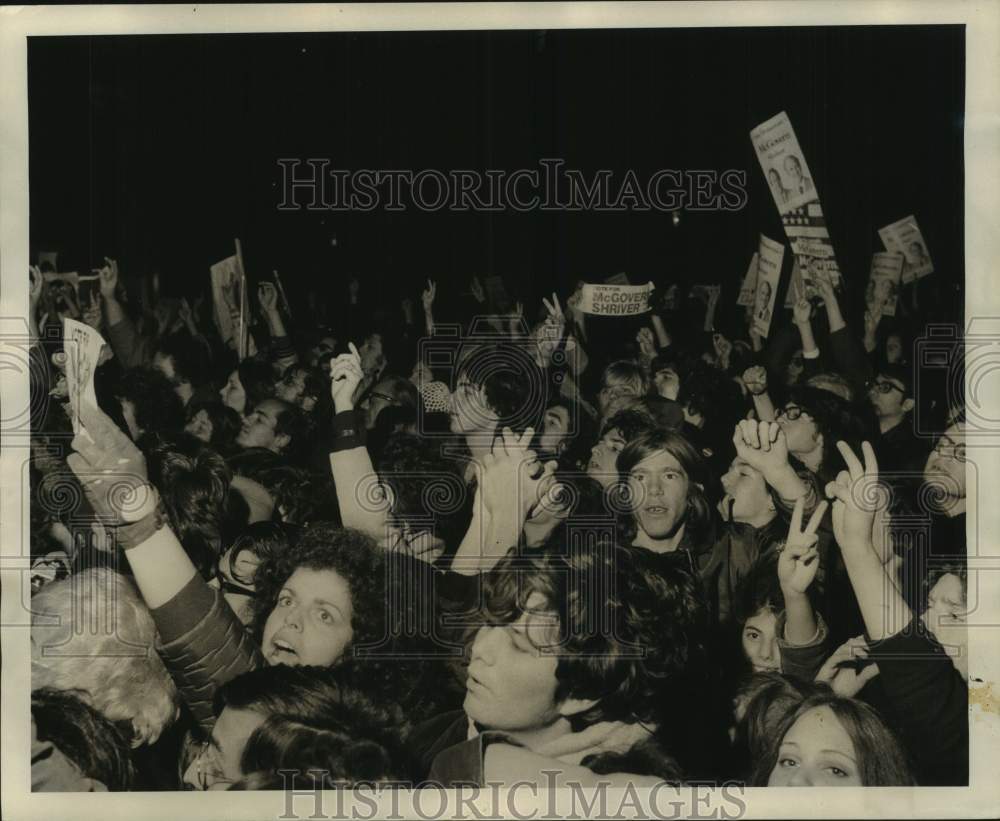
[313,600]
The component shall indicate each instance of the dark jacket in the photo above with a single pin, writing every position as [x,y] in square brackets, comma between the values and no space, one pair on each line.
[203,645]
[927,704]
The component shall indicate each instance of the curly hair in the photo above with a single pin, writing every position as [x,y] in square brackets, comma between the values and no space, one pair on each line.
[632,626]
[314,721]
[351,554]
[427,487]
[882,761]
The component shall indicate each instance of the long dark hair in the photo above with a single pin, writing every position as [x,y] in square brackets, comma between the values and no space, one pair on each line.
[698,518]
[882,761]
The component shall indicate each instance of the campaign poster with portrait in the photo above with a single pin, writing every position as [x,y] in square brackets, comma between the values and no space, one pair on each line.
[783,163]
[904,237]
[230,304]
[884,279]
[749,286]
[770,255]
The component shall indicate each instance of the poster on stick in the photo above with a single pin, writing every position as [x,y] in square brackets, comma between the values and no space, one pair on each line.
[770,255]
[904,237]
[615,300]
[783,163]
[230,304]
[749,287]
[884,279]
[806,231]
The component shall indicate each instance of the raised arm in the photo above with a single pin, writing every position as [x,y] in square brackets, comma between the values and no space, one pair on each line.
[927,695]
[202,642]
[797,566]
[762,445]
[857,496]
[283,353]
[510,480]
[427,298]
[359,493]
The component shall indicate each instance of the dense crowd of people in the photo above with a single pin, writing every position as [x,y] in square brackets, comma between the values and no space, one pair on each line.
[626,550]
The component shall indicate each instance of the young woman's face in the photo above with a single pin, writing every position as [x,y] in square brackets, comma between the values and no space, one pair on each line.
[511,684]
[311,621]
[816,752]
[760,641]
[658,487]
[232,393]
[200,426]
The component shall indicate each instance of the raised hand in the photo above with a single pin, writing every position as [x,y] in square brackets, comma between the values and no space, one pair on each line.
[761,445]
[267,294]
[857,496]
[723,350]
[111,469]
[109,278]
[842,671]
[406,305]
[36,284]
[427,297]
[647,343]
[799,558]
[92,313]
[477,290]
[184,311]
[801,312]
[755,379]
[345,376]
[511,464]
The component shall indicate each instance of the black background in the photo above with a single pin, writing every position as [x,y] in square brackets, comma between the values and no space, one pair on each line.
[160,149]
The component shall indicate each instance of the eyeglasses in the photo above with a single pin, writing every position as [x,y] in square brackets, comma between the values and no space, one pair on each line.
[207,768]
[884,387]
[792,413]
[948,447]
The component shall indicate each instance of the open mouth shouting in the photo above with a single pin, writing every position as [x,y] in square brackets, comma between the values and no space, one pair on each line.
[282,652]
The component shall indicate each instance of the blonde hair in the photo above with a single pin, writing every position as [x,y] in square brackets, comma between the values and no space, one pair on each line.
[92,632]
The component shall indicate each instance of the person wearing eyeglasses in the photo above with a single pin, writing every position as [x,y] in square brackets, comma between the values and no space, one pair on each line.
[890,394]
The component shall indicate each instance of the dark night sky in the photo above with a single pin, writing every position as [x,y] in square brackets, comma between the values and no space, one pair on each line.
[161,149]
